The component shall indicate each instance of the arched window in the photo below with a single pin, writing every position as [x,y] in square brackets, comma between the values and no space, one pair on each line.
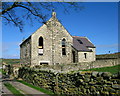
[40,46]
[40,43]
[63,47]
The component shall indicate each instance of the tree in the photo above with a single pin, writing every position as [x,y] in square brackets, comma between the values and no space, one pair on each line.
[16,12]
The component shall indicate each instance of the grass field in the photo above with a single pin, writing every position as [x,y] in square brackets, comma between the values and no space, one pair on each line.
[11,61]
[13,89]
[37,88]
[112,69]
[3,72]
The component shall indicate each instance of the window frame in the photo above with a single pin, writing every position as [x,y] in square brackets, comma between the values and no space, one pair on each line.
[40,45]
[63,47]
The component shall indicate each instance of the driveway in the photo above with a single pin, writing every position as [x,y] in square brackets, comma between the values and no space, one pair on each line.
[27,91]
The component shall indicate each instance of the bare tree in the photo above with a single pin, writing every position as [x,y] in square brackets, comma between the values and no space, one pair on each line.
[18,13]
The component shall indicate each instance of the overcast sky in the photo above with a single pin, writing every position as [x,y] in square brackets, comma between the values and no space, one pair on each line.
[97,21]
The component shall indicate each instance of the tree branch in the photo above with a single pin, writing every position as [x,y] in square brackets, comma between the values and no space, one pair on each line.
[38,15]
[6,18]
[12,19]
[10,8]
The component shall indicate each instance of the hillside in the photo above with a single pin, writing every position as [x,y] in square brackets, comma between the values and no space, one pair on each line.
[11,61]
[108,56]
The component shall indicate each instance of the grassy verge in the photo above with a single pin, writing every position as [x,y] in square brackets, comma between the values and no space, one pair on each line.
[37,88]
[112,69]
[0,70]
[13,89]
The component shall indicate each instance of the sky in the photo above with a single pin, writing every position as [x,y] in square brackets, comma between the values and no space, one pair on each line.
[97,21]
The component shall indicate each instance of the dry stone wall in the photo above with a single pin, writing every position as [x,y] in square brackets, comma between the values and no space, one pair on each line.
[83,65]
[89,65]
[78,83]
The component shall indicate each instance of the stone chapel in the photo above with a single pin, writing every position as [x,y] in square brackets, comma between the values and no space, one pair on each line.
[52,44]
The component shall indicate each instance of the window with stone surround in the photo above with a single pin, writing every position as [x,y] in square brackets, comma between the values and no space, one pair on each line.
[63,47]
[85,54]
[40,46]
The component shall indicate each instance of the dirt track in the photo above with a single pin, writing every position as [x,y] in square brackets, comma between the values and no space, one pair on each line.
[27,91]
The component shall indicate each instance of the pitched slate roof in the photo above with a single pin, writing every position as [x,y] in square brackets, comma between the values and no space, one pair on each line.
[82,44]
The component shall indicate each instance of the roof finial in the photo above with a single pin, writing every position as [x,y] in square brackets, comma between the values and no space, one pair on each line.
[53,13]
[53,10]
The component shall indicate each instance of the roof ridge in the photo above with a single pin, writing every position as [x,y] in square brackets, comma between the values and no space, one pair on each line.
[80,36]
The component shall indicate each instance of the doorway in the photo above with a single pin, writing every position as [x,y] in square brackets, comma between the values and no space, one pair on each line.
[73,56]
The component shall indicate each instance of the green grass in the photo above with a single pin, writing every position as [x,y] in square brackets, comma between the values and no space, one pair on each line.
[11,61]
[112,69]
[13,89]
[3,72]
[0,70]
[37,88]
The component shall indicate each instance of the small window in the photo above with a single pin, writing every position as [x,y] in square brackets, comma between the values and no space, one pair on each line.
[85,54]
[80,41]
[63,47]
[45,63]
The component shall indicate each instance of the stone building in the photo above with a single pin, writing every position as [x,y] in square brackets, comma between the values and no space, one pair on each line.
[52,44]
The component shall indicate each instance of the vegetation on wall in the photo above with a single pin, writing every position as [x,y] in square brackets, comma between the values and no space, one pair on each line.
[11,61]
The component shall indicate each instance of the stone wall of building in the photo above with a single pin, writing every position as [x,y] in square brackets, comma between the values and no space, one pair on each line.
[74,83]
[53,33]
[59,34]
[25,52]
[83,65]
[90,56]
[47,46]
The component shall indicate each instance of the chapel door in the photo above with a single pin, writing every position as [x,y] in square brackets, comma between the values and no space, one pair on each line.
[73,55]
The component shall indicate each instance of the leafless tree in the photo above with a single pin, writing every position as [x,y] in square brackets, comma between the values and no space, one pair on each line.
[17,13]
